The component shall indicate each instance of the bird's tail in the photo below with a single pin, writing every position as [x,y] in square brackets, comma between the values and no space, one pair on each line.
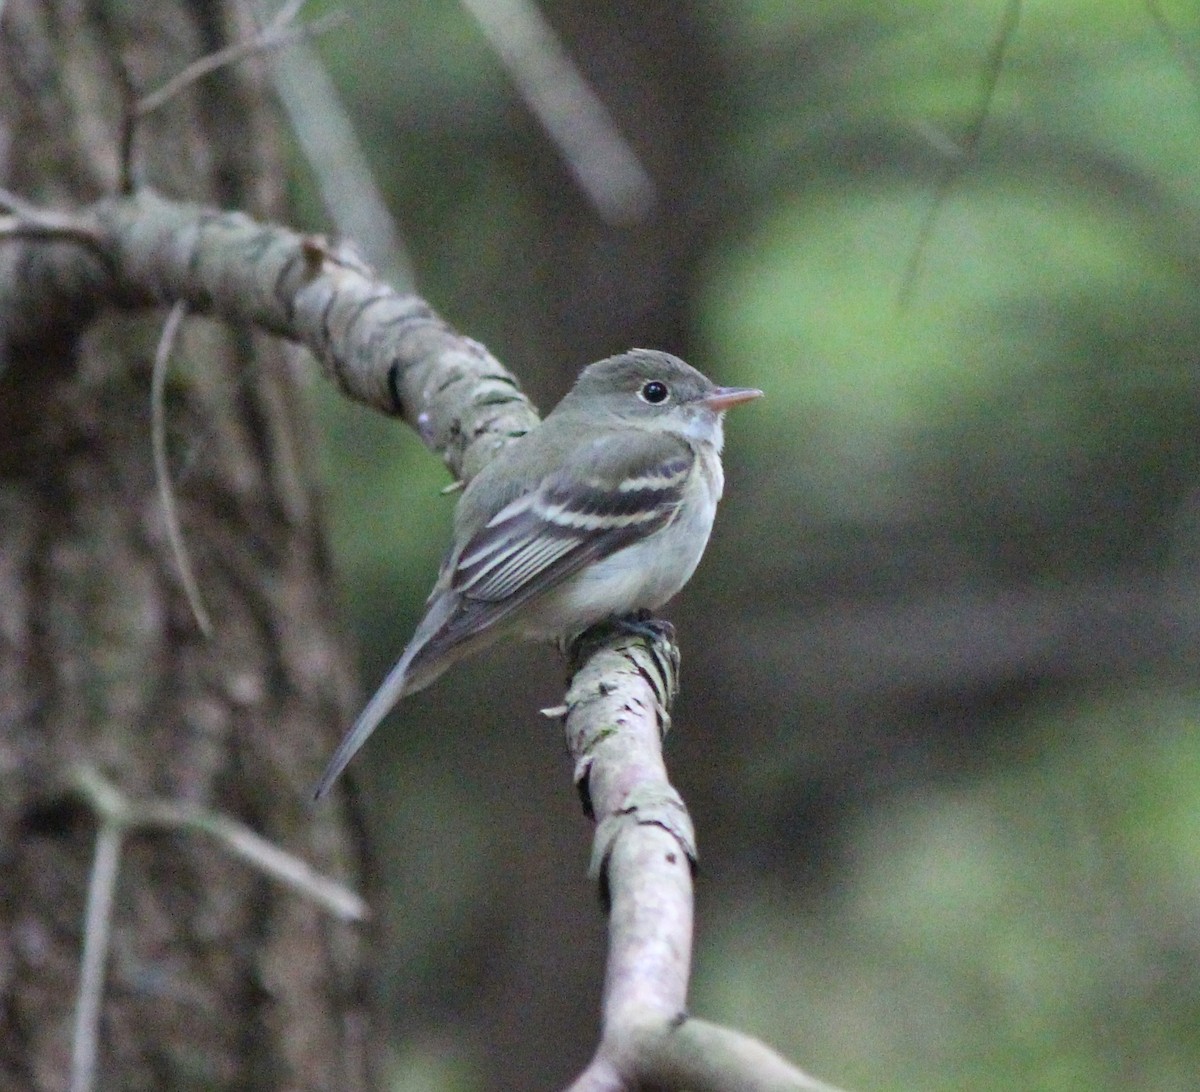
[407,677]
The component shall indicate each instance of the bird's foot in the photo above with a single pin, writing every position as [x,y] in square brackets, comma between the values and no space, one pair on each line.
[643,624]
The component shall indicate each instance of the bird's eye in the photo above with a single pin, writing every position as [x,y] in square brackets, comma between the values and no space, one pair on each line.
[654,392]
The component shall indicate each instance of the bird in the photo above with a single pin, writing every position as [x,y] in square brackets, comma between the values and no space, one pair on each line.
[600,511]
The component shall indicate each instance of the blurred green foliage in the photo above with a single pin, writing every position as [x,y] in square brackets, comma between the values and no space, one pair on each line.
[971,858]
[1023,927]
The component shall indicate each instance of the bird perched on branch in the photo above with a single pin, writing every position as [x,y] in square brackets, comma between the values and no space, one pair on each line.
[602,510]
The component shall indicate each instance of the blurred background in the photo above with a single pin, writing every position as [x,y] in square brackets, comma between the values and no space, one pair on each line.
[938,730]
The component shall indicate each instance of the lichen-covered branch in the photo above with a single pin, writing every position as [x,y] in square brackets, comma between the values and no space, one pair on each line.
[617,713]
[381,347]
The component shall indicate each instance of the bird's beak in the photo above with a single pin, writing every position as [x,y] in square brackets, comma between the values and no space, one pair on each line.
[724,397]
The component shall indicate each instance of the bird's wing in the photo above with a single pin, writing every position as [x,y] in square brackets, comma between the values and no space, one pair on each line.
[608,494]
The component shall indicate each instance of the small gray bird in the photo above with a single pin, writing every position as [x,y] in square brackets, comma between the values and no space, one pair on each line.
[601,510]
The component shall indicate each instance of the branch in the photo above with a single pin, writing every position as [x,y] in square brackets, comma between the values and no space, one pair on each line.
[617,712]
[384,348]
[29,222]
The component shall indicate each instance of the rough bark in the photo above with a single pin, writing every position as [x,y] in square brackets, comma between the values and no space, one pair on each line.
[218,977]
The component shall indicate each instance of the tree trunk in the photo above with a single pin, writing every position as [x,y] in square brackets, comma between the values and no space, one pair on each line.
[217,975]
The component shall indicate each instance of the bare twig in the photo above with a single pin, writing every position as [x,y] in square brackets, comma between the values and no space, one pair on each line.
[276,34]
[335,156]
[27,221]
[17,227]
[120,816]
[965,149]
[112,806]
[97,931]
[263,855]
[699,1054]
[162,472]
[601,159]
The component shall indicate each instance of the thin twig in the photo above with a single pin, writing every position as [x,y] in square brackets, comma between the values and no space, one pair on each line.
[17,227]
[352,198]
[285,867]
[274,35]
[118,816]
[112,806]
[966,149]
[127,184]
[162,472]
[601,159]
[27,221]
[97,932]
[267,857]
